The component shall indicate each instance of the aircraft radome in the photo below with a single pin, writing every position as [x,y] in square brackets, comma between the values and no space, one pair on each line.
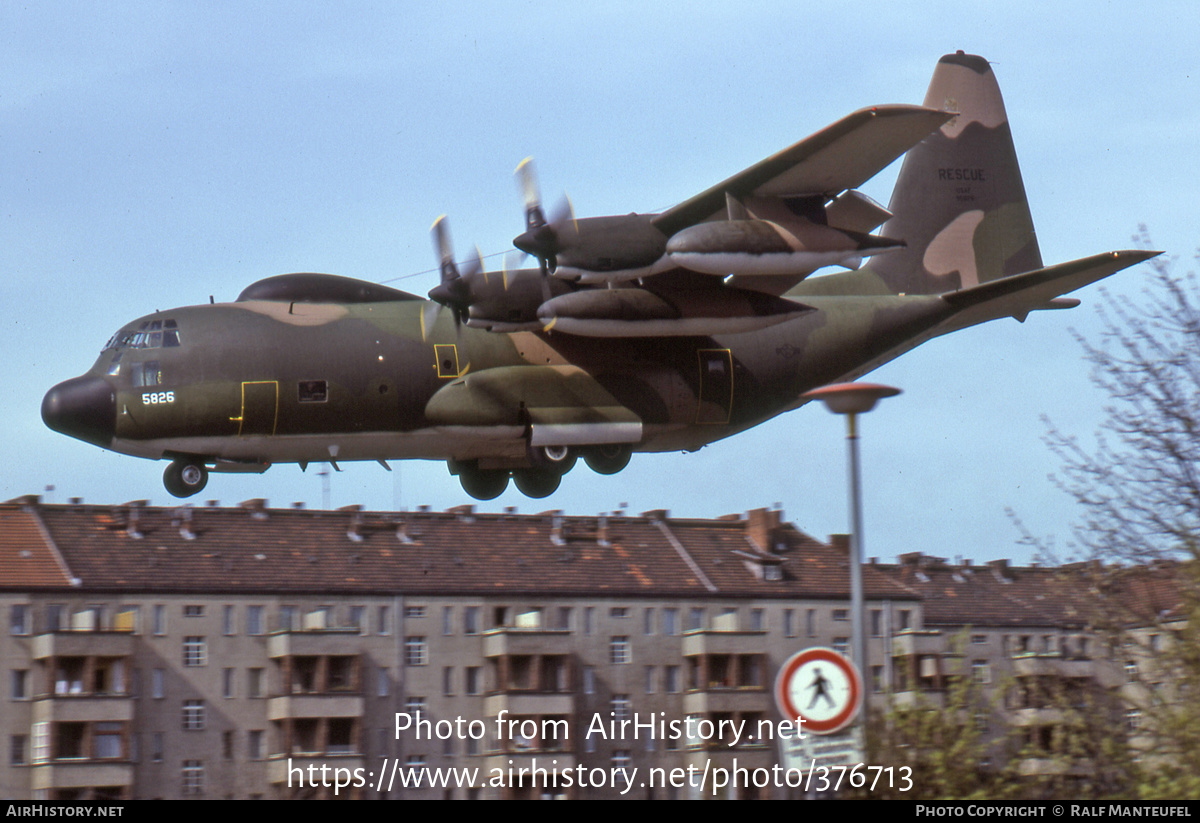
[642,332]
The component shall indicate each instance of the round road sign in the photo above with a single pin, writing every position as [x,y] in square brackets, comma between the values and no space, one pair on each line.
[821,686]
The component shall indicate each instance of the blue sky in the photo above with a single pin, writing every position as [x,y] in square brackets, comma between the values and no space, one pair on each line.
[158,153]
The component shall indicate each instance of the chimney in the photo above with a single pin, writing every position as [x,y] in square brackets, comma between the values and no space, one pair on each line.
[760,523]
[841,542]
[257,506]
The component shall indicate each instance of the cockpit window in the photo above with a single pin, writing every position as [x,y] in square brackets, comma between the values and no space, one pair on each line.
[151,334]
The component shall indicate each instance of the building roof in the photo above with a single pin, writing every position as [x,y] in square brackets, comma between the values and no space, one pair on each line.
[252,547]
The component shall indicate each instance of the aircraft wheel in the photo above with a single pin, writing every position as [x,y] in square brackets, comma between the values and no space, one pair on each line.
[536,482]
[482,484]
[184,478]
[609,458]
[558,459]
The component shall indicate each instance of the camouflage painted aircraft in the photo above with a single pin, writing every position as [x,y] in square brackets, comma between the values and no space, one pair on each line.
[634,333]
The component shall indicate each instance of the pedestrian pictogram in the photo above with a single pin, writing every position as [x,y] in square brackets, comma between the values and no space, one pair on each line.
[821,686]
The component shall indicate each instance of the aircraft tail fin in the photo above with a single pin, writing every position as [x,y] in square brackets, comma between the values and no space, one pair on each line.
[959,202]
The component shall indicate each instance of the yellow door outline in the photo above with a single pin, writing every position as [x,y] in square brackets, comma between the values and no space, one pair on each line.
[445,357]
[241,420]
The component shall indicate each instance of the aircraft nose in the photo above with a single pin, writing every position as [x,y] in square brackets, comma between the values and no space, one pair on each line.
[83,407]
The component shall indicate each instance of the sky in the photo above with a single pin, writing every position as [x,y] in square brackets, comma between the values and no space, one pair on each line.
[158,153]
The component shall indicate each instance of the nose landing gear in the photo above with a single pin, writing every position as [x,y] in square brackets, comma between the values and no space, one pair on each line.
[185,477]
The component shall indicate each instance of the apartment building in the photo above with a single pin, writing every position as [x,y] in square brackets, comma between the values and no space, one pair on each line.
[220,652]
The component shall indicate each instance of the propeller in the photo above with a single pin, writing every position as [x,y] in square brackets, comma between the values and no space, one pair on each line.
[543,239]
[454,290]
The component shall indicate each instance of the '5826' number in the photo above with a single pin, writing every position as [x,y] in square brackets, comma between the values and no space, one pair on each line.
[156,398]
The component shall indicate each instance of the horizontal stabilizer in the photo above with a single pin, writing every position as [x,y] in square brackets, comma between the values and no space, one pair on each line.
[1020,294]
[841,156]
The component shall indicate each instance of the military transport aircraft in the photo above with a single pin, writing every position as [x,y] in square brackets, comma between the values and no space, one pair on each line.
[642,332]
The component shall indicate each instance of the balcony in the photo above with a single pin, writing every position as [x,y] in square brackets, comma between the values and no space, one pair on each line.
[83,643]
[310,642]
[1039,665]
[512,642]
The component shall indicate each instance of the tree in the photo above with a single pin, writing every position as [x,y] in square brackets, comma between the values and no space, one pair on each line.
[1138,488]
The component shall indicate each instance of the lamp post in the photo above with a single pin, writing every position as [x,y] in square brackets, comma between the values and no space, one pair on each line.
[853,399]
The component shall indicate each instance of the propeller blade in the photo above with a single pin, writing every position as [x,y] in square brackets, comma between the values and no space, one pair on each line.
[444,249]
[527,179]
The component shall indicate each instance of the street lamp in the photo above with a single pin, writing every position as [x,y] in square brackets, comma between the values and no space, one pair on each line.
[853,399]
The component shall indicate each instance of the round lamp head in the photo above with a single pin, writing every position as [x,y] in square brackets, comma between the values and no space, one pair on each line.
[850,398]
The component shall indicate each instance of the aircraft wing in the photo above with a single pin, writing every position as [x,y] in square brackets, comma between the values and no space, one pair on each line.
[564,405]
[839,157]
[1020,294]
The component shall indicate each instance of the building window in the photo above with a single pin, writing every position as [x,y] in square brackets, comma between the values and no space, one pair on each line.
[19,619]
[876,622]
[670,621]
[621,762]
[589,620]
[619,651]
[383,681]
[695,619]
[383,620]
[287,618]
[877,679]
[472,678]
[810,622]
[618,612]
[672,679]
[227,676]
[648,621]
[905,619]
[227,745]
[447,680]
[758,620]
[156,741]
[254,682]
[416,652]
[358,619]
[255,624]
[841,614]
[228,621]
[789,623]
[978,639]
[20,684]
[256,743]
[447,620]
[414,612]
[16,750]
[564,618]
[471,620]
[1133,719]
[589,680]
[193,778]
[193,611]
[54,613]
[980,672]
[841,645]
[193,715]
[650,680]
[415,707]
[194,652]
[622,707]
[158,679]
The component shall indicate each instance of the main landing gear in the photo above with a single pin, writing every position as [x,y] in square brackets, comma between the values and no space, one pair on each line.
[185,477]
[541,478]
